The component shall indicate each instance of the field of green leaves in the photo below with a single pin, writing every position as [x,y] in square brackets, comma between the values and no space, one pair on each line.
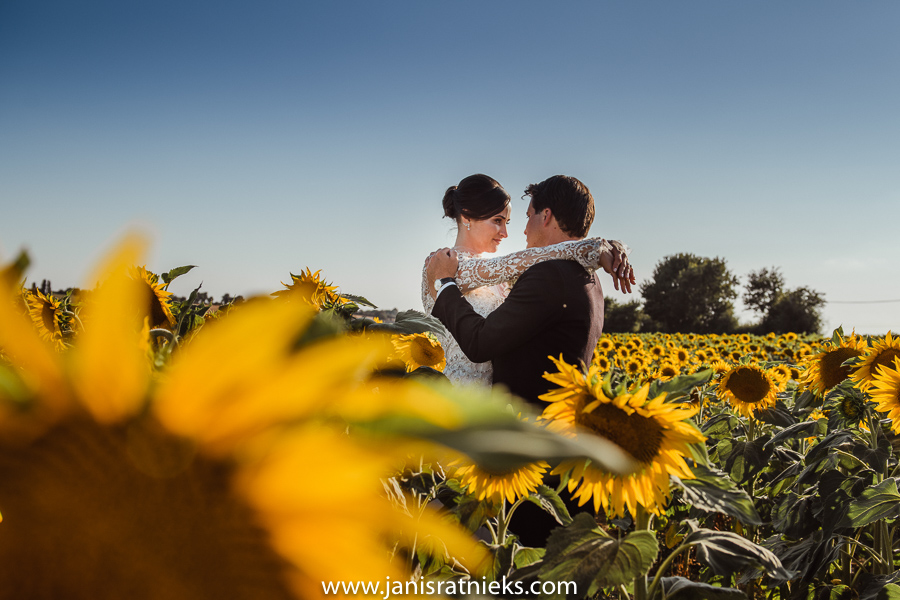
[264,448]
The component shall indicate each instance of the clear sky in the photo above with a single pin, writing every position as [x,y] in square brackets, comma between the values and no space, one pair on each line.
[257,138]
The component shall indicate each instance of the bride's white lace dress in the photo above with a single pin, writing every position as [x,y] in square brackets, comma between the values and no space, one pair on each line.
[485,283]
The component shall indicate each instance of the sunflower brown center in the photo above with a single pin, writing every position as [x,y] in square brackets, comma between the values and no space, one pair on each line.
[884,359]
[425,354]
[155,310]
[638,435]
[163,523]
[748,385]
[830,366]
[48,316]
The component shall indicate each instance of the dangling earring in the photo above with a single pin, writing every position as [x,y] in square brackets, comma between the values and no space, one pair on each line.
[468,226]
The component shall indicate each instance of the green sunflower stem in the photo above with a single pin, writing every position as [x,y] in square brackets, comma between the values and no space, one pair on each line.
[665,567]
[69,313]
[642,520]
[504,519]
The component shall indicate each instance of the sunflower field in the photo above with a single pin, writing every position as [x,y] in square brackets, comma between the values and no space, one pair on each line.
[285,446]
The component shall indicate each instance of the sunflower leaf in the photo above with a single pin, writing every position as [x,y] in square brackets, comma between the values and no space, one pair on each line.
[727,552]
[878,502]
[681,386]
[358,300]
[176,272]
[798,430]
[411,321]
[679,588]
[527,556]
[713,490]
[746,459]
[551,503]
[586,556]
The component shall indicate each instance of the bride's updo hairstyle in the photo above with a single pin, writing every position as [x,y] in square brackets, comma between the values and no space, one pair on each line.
[477,197]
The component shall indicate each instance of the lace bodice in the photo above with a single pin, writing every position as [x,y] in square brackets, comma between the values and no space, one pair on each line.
[485,283]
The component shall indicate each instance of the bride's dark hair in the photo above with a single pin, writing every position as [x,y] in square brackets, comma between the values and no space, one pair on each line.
[477,197]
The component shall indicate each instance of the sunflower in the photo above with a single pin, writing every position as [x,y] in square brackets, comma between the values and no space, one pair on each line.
[667,370]
[313,290]
[655,433]
[885,392]
[633,366]
[601,363]
[496,486]
[49,317]
[680,356]
[420,350]
[605,345]
[825,369]
[781,373]
[157,300]
[657,351]
[748,388]
[199,484]
[880,356]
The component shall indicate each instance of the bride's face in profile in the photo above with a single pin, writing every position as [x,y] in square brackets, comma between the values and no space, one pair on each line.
[486,235]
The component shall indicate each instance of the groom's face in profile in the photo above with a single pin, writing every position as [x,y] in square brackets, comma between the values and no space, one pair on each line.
[533,228]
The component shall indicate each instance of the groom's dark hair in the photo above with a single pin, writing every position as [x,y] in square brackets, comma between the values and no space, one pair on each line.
[568,199]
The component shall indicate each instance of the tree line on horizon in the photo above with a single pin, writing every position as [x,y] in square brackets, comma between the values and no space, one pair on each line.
[695,294]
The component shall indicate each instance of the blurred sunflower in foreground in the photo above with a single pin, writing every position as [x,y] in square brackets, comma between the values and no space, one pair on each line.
[655,433]
[228,475]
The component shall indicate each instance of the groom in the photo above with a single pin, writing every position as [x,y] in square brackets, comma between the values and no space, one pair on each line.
[555,308]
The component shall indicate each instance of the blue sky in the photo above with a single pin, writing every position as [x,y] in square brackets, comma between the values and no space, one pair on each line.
[255,139]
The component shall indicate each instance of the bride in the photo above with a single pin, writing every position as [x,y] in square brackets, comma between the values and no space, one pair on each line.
[480,207]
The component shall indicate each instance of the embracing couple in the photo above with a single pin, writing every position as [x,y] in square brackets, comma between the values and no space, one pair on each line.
[504,333]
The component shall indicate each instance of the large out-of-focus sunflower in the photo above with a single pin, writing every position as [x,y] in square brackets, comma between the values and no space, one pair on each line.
[48,317]
[210,482]
[655,433]
[157,303]
[499,486]
[748,388]
[825,369]
[420,350]
[885,392]
[877,358]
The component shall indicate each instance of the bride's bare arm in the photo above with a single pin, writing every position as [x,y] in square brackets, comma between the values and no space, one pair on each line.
[592,253]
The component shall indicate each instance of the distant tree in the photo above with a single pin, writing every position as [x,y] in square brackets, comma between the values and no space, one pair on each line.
[763,289]
[623,318]
[781,310]
[691,294]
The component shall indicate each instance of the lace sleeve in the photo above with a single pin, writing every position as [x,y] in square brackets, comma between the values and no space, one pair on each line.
[427,300]
[478,272]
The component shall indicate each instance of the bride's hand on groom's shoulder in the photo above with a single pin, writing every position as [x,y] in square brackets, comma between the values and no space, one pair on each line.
[619,268]
[441,263]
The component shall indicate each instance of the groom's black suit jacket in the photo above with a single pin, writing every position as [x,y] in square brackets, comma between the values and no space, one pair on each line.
[555,308]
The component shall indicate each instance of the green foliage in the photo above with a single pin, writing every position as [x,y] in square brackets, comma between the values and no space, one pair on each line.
[170,276]
[782,310]
[584,554]
[713,491]
[689,293]
[625,317]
